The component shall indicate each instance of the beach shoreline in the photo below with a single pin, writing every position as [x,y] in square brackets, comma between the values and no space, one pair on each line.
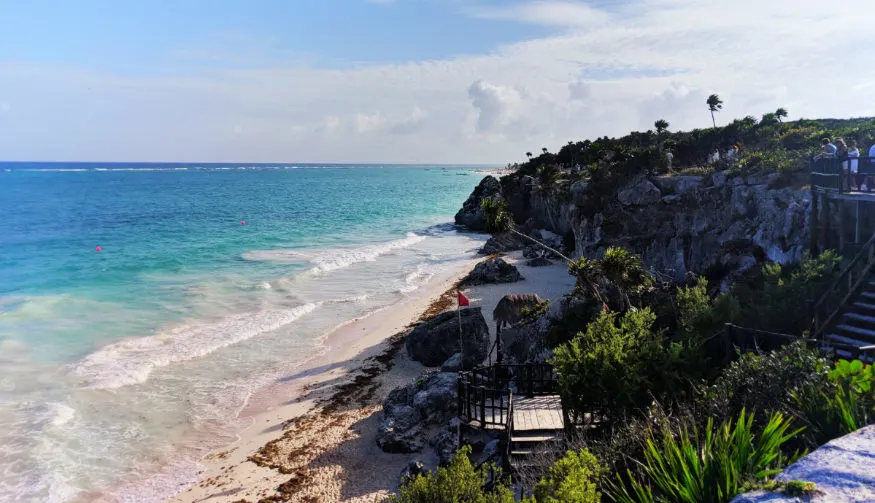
[312,436]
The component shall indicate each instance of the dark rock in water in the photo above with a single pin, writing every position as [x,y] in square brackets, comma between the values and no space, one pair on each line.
[445,443]
[436,339]
[429,400]
[453,363]
[503,242]
[412,470]
[538,262]
[493,271]
[471,214]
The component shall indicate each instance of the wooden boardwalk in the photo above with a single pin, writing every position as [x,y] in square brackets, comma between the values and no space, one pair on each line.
[538,413]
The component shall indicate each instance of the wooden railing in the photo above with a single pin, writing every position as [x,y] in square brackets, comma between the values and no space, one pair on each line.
[840,291]
[831,174]
[484,393]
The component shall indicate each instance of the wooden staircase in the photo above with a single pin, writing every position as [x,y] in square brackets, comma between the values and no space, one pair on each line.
[536,426]
[843,319]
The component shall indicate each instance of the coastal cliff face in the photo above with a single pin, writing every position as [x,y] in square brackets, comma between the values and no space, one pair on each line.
[712,224]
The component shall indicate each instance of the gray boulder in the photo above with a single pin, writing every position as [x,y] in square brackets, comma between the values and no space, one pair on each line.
[412,470]
[503,242]
[578,192]
[400,430]
[471,214]
[453,363]
[493,271]
[436,398]
[639,192]
[433,341]
[491,453]
[678,184]
[429,400]
[445,443]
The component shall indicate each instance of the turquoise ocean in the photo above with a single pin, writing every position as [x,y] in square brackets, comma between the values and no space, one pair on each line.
[120,368]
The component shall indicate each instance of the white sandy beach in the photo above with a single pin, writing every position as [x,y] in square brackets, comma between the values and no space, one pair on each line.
[309,448]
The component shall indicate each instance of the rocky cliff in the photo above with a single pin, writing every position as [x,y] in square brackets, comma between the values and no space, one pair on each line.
[712,224]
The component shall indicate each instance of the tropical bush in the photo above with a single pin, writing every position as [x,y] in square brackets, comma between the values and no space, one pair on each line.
[572,479]
[457,483]
[709,465]
[617,365]
[495,215]
[844,405]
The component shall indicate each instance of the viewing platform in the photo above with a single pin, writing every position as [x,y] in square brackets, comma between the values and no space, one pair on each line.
[842,215]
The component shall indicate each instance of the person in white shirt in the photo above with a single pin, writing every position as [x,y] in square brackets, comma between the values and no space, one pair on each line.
[853,155]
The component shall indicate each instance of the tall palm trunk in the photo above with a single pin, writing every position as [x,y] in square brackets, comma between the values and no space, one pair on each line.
[712,119]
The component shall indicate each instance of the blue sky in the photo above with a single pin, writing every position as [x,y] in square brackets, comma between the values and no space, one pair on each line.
[403,80]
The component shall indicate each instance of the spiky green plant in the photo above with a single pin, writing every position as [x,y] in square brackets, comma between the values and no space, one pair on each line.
[495,215]
[710,466]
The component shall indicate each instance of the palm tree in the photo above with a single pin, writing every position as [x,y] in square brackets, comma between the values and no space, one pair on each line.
[715,104]
[497,219]
[781,113]
[529,155]
[661,126]
[544,149]
[624,270]
[548,177]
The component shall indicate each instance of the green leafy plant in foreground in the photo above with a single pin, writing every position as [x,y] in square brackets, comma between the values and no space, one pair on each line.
[710,466]
[572,479]
[459,482]
[845,405]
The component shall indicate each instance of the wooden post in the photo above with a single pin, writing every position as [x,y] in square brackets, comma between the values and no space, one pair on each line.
[815,221]
[857,224]
[827,225]
[498,357]
[841,225]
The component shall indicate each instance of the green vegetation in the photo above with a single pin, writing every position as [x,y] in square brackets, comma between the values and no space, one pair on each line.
[715,104]
[710,466]
[495,215]
[572,479]
[457,483]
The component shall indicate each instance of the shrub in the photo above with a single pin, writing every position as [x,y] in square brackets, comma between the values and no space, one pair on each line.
[459,482]
[764,384]
[617,365]
[572,479]
[843,406]
[710,466]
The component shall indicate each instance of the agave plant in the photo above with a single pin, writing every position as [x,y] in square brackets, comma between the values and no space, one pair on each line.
[710,466]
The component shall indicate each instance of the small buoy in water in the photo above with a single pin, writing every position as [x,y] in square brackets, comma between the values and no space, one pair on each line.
[98,249]
[243,222]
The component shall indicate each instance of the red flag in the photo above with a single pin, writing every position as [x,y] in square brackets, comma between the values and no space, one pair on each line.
[463,301]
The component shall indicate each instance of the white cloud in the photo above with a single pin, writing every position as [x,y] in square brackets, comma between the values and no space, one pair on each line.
[654,59]
[546,12]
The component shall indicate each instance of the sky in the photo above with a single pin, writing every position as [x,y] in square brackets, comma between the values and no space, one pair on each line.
[408,81]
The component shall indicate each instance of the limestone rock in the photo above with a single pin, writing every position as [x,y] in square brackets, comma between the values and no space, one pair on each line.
[453,363]
[493,271]
[503,242]
[412,470]
[678,185]
[429,400]
[578,192]
[445,443]
[843,471]
[640,192]
[471,214]
[433,341]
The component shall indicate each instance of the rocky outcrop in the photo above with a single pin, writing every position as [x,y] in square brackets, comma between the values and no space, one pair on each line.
[842,470]
[435,340]
[640,192]
[445,444]
[678,224]
[471,214]
[526,343]
[409,409]
[503,242]
[492,271]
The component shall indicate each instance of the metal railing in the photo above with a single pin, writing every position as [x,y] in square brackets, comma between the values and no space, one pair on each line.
[833,174]
[841,290]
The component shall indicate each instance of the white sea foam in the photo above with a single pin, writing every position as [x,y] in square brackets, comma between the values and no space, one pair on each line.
[60,414]
[280,256]
[344,258]
[131,361]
